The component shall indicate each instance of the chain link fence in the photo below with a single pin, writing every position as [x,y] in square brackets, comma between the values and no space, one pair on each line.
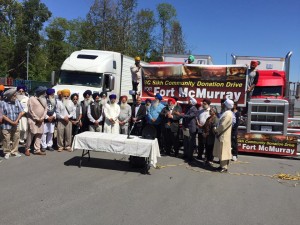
[31,84]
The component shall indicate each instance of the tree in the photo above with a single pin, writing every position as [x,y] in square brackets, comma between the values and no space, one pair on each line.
[177,44]
[102,21]
[9,18]
[56,44]
[34,14]
[166,14]
[143,38]
[125,13]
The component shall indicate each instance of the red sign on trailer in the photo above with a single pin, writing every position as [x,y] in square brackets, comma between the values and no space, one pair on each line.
[267,143]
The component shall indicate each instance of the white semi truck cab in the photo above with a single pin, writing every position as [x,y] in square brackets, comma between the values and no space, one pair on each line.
[97,71]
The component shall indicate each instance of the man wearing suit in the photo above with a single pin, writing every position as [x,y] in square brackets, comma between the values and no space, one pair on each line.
[138,116]
[189,129]
[170,126]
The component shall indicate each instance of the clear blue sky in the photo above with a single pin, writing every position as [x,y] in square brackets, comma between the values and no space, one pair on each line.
[221,27]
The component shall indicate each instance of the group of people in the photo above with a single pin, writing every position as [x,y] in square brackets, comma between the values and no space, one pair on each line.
[33,119]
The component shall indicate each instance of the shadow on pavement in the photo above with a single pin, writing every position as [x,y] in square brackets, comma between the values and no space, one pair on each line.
[109,164]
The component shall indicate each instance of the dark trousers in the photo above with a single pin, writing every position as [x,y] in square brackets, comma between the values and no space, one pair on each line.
[188,145]
[209,152]
[75,129]
[201,145]
[137,130]
[234,145]
[170,140]
[158,135]
[135,88]
[85,125]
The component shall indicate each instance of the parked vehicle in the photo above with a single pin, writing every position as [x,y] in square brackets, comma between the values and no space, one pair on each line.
[97,71]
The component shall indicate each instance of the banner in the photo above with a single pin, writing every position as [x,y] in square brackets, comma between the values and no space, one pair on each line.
[197,81]
[267,144]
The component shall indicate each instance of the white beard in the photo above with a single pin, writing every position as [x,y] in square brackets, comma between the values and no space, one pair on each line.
[123,105]
[87,102]
[103,102]
[20,97]
[52,100]
[43,100]
[155,104]
[68,104]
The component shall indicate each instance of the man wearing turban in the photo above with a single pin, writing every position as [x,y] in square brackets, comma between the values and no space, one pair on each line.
[222,146]
[202,116]
[170,126]
[189,129]
[77,114]
[37,111]
[112,112]
[136,74]
[125,114]
[59,95]
[49,123]
[12,112]
[253,76]
[95,114]
[2,88]
[153,116]
[87,95]
[23,123]
[64,113]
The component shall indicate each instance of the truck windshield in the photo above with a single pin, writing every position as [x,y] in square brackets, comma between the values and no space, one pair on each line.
[267,91]
[80,78]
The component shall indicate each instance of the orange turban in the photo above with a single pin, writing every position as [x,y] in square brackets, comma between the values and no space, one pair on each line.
[2,88]
[66,92]
[59,92]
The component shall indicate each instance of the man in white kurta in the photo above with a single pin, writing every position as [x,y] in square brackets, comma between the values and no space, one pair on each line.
[47,138]
[23,123]
[222,146]
[125,115]
[112,112]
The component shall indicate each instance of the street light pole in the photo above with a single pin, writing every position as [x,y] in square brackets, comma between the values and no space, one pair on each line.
[28,45]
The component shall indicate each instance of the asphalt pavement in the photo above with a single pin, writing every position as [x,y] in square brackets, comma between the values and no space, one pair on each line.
[52,189]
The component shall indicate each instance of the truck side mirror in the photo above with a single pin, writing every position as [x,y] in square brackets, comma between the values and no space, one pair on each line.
[109,82]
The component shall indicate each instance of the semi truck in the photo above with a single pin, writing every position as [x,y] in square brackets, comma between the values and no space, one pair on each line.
[267,128]
[97,71]
[270,126]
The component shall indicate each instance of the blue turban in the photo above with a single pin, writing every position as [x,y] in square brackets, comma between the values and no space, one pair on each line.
[87,92]
[21,87]
[158,96]
[40,90]
[113,96]
[50,91]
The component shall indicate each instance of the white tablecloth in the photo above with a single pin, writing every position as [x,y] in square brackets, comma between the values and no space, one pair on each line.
[117,143]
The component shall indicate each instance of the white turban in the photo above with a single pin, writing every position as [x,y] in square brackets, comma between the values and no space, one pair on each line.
[193,101]
[229,103]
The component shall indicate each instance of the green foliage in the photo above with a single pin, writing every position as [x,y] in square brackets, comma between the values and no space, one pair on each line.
[113,25]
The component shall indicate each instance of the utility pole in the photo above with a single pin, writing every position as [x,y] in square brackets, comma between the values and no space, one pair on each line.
[27,47]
